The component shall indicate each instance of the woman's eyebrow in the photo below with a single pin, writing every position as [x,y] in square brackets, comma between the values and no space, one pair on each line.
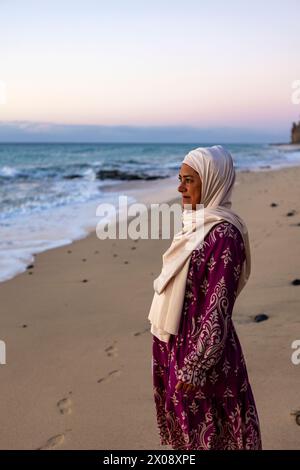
[185,176]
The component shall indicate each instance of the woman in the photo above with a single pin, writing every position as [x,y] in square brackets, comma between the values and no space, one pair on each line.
[202,394]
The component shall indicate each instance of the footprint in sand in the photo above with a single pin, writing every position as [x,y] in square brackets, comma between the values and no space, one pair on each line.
[53,442]
[296,413]
[268,234]
[138,333]
[107,378]
[64,406]
[111,350]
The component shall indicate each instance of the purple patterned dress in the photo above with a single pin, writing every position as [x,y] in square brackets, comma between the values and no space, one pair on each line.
[220,413]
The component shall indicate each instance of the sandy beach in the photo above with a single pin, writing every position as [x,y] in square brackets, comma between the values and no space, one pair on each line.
[78,372]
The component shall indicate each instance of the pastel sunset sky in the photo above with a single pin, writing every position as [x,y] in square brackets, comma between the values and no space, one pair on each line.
[203,64]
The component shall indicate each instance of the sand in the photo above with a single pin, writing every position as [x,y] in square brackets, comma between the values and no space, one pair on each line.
[78,372]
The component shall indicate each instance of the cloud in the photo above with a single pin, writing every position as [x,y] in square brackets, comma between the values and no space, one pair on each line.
[28,131]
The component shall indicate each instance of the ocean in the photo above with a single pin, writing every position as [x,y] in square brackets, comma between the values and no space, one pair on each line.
[49,192]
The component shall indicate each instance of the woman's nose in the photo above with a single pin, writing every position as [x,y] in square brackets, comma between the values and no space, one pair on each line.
[181,188]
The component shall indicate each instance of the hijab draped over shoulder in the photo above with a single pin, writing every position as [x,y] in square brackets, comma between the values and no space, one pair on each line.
[215,168]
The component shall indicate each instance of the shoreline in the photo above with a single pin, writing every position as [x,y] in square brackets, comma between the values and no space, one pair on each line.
[152,193]
[288,146]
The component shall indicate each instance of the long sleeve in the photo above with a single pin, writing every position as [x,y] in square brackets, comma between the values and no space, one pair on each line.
[212,284]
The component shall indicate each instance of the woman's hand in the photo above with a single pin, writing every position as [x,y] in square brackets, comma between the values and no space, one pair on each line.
[185,387]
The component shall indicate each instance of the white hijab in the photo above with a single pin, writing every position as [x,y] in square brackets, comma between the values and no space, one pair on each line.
[215,168]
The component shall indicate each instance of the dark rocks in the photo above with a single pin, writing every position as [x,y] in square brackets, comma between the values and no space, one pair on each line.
[291,213]
[72,177]
[260,317]
[273,204]
[121,175]
[30,266]
[296,282]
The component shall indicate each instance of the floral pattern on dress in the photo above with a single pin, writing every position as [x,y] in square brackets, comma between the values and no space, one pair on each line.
[220,412]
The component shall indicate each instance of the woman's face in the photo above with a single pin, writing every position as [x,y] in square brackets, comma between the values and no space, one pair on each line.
[190,186]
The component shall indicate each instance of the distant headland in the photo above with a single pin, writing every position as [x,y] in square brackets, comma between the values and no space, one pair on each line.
[295,139]
[295,133]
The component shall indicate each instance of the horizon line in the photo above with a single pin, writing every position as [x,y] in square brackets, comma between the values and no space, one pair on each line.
[142,143]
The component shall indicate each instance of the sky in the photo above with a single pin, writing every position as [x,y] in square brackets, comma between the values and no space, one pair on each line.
[225,68]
